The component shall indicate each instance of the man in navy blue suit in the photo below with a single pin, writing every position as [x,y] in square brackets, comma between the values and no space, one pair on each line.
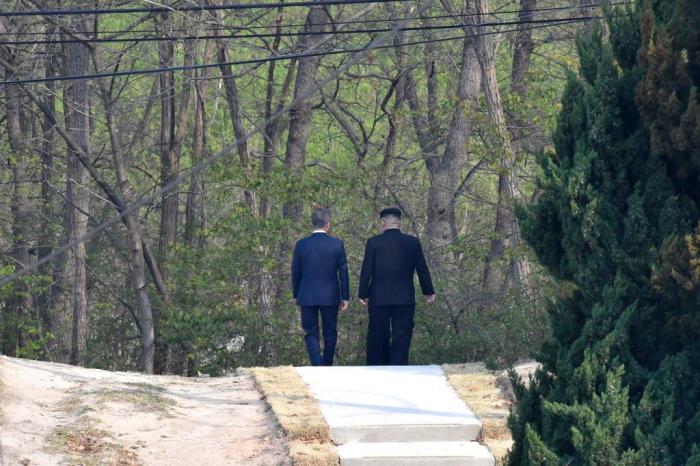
[386,285]
[321,285]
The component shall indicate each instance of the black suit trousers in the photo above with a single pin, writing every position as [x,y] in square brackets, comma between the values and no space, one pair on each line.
[389,334]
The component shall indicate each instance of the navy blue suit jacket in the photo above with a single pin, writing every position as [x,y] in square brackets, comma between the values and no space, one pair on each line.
[390,261]
[320,271]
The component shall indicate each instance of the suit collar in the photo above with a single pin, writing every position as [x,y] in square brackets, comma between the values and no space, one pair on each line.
[392,231]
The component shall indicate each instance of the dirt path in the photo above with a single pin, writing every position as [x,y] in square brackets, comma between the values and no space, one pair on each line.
[59,414]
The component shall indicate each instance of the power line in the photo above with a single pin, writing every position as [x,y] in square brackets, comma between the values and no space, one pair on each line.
[290,34]
[271,58]
[179,9]
[202,165]
[534,12]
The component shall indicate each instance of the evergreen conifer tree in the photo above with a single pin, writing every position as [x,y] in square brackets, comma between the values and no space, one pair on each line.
[620,382]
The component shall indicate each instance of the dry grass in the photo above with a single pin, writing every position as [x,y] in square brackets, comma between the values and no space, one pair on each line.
[298,415]
[477,386]
[84,444]
[313,453]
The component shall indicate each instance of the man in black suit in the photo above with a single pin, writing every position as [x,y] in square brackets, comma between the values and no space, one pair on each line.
[386,284]
[320,285]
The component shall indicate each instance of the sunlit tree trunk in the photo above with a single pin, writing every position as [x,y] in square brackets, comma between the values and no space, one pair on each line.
[499,277]
[301,112]
[77,121]
[20,302]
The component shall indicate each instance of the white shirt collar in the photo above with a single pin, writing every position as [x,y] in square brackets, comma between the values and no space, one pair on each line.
[320,231]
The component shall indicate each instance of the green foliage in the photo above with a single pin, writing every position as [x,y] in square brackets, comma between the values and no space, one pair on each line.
[218,316]
[619,384]
[25,333]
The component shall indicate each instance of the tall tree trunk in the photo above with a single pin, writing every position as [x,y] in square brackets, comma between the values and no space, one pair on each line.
[524,132]
[123,201]
[398,89]
[20,302]
[444,171]
[138,244]
[444,176]
[234,108]
[273,126]
[172,133]
[169,160]
[50,300]
[522,49]
[136,263]
[301,112]
[499,277]
[195,214]
[77,118]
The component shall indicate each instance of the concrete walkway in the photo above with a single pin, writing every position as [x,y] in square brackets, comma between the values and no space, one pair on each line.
[396,415]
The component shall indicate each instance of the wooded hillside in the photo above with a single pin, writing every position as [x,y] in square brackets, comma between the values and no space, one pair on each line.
[151,206]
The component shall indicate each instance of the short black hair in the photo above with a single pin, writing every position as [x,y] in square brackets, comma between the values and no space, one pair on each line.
[390,211]
[320,217]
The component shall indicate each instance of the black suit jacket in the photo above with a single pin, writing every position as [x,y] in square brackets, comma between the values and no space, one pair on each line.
[320,271]
[388,267]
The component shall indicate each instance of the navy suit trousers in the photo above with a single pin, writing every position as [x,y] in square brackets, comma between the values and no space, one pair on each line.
[309,322]
[389,334]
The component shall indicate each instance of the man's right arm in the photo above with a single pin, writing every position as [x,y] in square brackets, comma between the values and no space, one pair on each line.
[366,272]
[296,271]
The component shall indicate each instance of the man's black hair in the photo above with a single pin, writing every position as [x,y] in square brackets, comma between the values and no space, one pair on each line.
[394,211]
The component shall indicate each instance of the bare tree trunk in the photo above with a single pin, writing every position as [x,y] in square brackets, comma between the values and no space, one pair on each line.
[123,201]
[301,112]
[47,298]
[169,160]
[442,194]
[444,170]
[133,227]
[20,303]
[398,89]
[172,133]
[497,277]
[525,134]
[523,48]
[273,126]
[234,108]
[138,243]
[77,118]
[195,215]
[381,190]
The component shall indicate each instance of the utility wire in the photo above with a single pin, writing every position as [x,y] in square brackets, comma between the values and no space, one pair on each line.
[206,163]
[534,12]
[179,9]
[272,58]
[291,34]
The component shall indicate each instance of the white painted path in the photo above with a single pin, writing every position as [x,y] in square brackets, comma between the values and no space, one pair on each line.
[396,415]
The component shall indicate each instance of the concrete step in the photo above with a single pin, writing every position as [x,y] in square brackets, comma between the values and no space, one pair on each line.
[414,454]
[390,404]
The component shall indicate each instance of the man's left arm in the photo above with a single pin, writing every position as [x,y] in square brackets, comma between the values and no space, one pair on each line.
[343,275]
[426,283]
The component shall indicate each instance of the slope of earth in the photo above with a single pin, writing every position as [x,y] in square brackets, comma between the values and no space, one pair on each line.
[58,414]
